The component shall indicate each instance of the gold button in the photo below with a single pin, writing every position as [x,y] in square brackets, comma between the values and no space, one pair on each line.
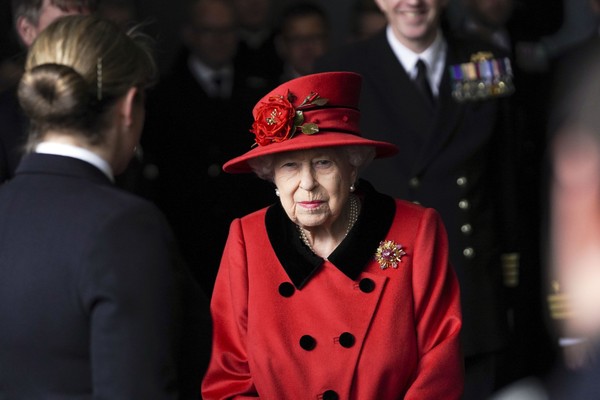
[462,181]
[469,252]
[464,204]
[466,229]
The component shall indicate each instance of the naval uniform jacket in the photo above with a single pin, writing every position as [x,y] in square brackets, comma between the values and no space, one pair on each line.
[457,159]
[291,325]
[89,295]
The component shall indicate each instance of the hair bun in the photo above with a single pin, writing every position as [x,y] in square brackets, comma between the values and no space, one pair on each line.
[53,93]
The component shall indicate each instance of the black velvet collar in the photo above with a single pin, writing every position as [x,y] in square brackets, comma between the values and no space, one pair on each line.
[351,256]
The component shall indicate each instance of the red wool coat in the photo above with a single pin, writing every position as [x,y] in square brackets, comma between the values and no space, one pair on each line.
[290,325]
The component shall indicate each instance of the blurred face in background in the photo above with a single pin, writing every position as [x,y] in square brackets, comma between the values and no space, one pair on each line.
[414,22]
[49,12]
[122,14]
[303,40]
[369,23]
[210,34]
[252,15]
[492,14]
[575,249]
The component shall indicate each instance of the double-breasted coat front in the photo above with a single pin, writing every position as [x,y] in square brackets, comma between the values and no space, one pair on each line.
[291,325]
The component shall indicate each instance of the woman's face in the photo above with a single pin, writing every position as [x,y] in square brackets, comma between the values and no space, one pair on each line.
[313,185]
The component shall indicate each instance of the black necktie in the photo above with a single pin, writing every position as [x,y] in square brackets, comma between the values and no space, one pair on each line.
[217,81]
[423,83]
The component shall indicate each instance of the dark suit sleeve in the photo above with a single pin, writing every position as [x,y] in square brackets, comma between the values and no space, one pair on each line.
[3,163]
[129,290]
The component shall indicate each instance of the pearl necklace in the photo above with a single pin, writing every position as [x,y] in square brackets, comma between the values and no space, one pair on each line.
[354,211]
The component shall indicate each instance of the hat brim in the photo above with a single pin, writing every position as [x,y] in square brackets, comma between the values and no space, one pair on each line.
[304,142]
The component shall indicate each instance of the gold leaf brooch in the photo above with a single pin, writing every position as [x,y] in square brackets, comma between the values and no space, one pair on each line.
[389,254]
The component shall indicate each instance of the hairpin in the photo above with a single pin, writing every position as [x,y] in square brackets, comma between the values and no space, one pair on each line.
[99,78]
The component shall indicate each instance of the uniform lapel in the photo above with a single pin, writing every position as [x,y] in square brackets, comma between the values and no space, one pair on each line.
[396,89]
[395,99]
[446,119]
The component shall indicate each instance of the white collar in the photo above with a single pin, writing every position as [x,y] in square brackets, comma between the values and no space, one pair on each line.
[204,72]
[68,150]
[434,57]
[205,75]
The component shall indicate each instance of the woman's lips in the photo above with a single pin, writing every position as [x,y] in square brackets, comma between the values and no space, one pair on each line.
[310,204]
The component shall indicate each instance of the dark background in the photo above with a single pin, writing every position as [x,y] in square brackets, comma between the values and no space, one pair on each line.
[536,19]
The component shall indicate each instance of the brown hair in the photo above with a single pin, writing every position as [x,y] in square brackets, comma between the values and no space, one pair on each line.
[76,68]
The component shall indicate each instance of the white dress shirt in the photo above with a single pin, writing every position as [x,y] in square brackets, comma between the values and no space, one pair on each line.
[206,78]
[434,58]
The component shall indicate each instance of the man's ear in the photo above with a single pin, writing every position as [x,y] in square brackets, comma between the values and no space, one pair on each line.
[126,105]
[26,30]
[381,5]
[186,35]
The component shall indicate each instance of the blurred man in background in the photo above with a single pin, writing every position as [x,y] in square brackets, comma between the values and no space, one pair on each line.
[303,37]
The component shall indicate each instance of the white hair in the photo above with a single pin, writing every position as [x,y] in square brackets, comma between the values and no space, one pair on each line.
[357,156]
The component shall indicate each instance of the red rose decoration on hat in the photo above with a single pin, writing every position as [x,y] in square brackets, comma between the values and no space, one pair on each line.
[276,119]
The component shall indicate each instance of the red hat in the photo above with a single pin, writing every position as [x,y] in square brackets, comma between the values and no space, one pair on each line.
[313,111]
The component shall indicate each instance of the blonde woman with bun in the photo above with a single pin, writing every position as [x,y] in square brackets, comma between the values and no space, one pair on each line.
[90,291]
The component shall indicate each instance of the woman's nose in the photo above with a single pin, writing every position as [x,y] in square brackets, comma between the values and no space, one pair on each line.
[307,180]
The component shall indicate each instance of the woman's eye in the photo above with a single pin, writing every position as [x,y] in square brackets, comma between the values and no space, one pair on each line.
[289,164]
[323,163]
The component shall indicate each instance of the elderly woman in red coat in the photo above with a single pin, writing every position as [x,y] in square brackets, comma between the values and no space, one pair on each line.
[336,291]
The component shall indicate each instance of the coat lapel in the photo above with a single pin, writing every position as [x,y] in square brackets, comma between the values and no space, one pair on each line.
[396,97]
[447,117]
[396,89]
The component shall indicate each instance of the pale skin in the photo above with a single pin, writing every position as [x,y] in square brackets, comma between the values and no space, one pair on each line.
[28,31]
[575,253]
[121,138]
[314,189]
[415,23]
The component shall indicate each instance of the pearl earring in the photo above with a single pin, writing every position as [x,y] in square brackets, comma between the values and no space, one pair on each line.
[276,192]
[352,188]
